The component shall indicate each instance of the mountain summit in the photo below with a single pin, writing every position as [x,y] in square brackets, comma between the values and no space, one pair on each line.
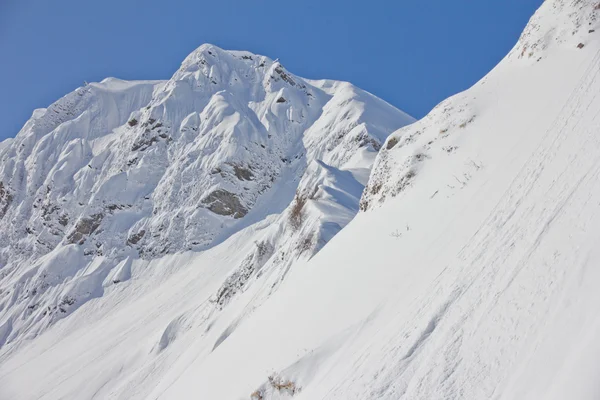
[117,171]
[201,237]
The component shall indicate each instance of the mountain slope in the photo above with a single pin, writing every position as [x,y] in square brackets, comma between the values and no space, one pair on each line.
[117,171]
[470,274]
[473,273]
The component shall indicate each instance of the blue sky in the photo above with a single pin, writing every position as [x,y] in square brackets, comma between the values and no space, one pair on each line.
[412,53]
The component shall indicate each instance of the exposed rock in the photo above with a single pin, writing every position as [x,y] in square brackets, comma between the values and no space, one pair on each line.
[243,174]
[236,281]
[223,202]
[391,143]
[85,227]
[284,76]
[48,209]
[143,143]
[135,238]
[5,200]
[63,219]
[296,212]
[175,171]
[114,207]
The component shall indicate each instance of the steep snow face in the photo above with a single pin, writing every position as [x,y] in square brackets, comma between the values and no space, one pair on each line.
[119,170]
[471,274]
[558,23]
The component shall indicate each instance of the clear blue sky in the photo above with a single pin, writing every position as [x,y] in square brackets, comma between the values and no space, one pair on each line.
[412,53]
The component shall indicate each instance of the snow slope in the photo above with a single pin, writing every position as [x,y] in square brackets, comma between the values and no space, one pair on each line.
[117,171]
[471,273]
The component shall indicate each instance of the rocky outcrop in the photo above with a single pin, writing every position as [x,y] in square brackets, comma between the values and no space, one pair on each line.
[225,203]
[5,200]
[84,228]
[123,170]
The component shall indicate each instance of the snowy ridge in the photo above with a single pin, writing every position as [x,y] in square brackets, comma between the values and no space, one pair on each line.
[470,274]
[119,170]
[559,24]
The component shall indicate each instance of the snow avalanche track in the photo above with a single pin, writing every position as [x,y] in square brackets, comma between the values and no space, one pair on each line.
[471,274]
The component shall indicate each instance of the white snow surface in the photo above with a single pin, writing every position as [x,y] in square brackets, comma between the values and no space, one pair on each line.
[470,274]
[118,171]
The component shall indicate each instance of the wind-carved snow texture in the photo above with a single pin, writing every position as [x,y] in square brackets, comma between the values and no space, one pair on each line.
[563,22]
[470,274]
[119,170]
[559,23]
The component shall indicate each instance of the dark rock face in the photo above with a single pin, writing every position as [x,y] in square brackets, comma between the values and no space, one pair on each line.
[63,219]
[243,174]
[391,143]
[144,143]
[85,227]
[5,200]
[223,202]
[285,76]
[135,238]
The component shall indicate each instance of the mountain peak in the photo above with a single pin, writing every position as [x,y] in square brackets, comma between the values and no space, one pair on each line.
[209,55]
[123,170]
[159,236]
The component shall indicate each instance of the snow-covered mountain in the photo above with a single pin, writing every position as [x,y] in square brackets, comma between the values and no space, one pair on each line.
[117,171]
[471,272]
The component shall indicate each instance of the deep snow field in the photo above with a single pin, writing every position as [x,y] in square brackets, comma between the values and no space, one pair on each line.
[456,259]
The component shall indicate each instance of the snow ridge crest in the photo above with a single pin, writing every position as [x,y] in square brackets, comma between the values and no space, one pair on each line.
[121,170]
